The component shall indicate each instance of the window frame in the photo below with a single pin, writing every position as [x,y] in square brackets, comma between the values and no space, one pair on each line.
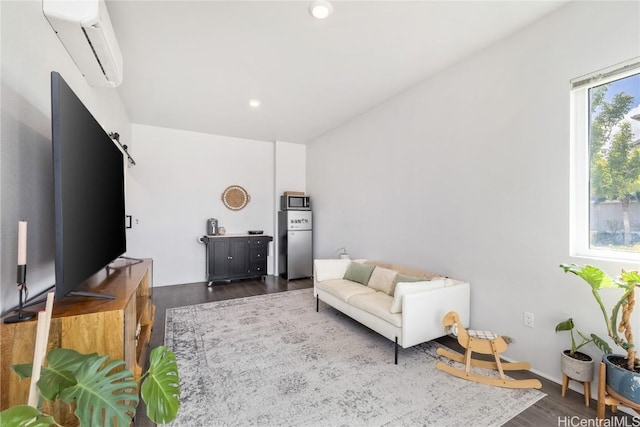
[579,161]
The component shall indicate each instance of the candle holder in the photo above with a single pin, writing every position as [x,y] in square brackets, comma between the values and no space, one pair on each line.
[22,290]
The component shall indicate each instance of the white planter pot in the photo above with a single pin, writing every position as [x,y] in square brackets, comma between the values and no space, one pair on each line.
[578,370]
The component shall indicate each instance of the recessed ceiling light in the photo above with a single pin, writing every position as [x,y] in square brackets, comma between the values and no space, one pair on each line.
[254,103]
[320,9]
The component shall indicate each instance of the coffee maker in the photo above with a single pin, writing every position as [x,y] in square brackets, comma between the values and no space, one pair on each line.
[212,227]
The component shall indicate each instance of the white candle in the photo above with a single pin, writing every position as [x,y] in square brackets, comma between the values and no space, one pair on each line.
[22,243]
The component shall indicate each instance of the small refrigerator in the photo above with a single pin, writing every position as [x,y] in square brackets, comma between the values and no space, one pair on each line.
[295,243]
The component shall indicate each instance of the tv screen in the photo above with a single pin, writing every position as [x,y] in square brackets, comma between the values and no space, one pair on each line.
[88,179]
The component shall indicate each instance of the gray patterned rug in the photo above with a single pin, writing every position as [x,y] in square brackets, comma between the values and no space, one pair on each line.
[271,360]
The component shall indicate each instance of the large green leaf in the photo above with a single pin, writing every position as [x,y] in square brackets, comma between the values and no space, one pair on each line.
[630,277]
[59,372]
[160,390]
[566,325]
[23,370]
[25,416]
[105,395]
[595,277]
[601,344]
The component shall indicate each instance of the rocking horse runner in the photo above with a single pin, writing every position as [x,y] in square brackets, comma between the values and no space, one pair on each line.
[484,343]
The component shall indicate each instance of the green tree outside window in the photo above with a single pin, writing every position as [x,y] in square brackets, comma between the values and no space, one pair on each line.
[614,154]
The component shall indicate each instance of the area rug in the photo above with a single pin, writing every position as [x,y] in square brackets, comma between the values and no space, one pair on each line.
[271,360]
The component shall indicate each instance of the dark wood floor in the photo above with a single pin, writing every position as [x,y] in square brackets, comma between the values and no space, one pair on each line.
[553,410]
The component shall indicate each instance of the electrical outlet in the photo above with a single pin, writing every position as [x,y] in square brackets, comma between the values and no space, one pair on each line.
[528,319]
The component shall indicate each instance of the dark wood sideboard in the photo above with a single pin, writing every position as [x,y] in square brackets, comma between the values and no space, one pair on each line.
[239,256]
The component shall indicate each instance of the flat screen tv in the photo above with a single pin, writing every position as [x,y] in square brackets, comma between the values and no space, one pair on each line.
[88,176]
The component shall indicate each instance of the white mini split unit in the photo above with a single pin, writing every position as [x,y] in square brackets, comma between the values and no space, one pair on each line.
[84,28]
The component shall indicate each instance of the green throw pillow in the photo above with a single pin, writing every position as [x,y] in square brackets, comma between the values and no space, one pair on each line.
[358,272]
[401,278]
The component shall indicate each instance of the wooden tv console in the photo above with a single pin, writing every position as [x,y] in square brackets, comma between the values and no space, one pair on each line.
[119,328]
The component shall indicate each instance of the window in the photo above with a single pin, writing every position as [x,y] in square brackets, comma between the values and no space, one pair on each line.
[606,163]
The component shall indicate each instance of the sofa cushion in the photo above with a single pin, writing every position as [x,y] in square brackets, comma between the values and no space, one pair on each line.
[404,288]
[382,279]
[343,289]
[377,304]
[407,271]
[358,272]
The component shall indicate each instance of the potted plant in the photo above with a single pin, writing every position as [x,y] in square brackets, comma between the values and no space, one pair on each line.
[575,364]
[103,390]
[623,371]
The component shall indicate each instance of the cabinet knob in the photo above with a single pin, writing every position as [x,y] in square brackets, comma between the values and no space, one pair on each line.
[229,257]
[259,255]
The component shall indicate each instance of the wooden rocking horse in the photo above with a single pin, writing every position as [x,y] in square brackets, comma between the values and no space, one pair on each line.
[484,343]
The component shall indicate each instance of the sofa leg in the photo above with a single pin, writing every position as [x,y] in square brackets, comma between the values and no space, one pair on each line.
[317,303]
[396,351]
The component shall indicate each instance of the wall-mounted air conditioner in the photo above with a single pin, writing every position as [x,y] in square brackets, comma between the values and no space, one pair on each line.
[84,27]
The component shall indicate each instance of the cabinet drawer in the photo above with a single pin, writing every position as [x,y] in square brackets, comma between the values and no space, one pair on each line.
[258,254]
[259,242]
[259,268]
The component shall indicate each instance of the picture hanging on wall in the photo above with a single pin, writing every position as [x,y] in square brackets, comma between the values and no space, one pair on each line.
[235,197]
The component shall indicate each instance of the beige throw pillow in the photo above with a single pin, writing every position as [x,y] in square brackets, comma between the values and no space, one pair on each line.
[382,279]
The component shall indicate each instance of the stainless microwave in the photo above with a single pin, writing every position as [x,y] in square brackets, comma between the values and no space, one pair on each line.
[295,203]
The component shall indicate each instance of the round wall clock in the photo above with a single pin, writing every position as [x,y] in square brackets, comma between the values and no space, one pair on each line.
[235,197]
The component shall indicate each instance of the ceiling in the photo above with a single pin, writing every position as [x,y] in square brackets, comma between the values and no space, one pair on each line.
[194,65]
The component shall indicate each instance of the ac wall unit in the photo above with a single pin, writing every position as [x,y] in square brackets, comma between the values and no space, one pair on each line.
[84,27]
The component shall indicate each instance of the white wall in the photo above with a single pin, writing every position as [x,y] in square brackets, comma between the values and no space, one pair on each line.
[176,185]
[30,50]
[467,174]
[290,170]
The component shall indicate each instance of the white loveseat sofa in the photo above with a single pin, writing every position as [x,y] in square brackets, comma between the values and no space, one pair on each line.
[402,304]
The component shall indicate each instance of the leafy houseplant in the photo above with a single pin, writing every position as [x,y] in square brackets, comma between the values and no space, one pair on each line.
[568,325]
[626,282]
[103,390]
[575,364]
